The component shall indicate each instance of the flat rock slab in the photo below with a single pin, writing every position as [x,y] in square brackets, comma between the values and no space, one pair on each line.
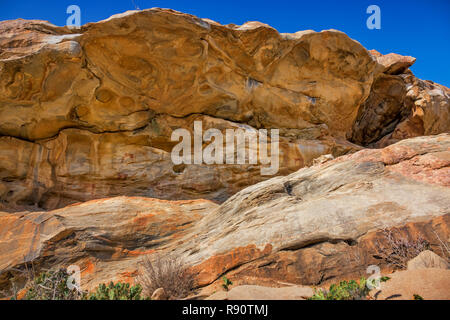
[430,284]
[249,292]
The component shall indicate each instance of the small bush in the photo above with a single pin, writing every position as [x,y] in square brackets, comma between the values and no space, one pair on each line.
[445,247]
[168,273]
[51,285]
[118,291]
[226,283]
[351,290]
[399,250]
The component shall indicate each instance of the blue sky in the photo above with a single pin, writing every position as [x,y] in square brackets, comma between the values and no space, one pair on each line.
[409,27]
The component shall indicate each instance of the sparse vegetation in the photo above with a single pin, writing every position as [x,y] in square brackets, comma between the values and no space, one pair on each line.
[445,247]
[345,290]
[226,283]
[118,291]
[51,285]
[168,273]
[398,250]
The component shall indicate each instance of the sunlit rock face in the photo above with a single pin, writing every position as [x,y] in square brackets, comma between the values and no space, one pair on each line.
[89,113]
[401,106]
[320,223]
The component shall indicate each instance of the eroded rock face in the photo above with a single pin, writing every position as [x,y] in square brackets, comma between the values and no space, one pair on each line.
[79,165]
[252,292]
[111,231]
[428,284]
[306,227]
[428,259]
[400,106]
[318,224]
[88,114]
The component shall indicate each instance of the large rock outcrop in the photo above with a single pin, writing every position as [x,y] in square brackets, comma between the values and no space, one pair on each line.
[401,106]
[318,224]
[102,237]
[88,113]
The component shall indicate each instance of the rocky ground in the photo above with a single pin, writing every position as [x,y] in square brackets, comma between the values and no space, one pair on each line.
[86,176]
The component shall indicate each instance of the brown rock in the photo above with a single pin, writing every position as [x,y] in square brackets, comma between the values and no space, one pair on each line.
[426,111]
[400,106]
[430,284]
[105,238]
[321,222]
[382,111]
[89,113]
[427,259]
[252,292]
[316,225]
[393,63]
[80,165]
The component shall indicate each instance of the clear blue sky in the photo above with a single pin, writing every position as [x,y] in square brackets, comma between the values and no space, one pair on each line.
[409,27]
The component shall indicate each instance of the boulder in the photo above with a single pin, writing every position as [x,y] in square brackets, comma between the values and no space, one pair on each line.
[427,259]
[429,284]
[393,63]
[400,106]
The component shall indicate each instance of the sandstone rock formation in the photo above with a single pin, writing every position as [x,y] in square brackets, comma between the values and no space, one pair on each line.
[88,114]
[429,284]
[110,231]
[428,259]
[252,292]
[312,225]
[319,224]
[401,106]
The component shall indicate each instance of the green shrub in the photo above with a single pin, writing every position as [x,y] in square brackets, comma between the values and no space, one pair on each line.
[118,291]
[345,290]
[226,283]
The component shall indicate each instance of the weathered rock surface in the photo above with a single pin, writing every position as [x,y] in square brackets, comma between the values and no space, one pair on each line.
[307,227]
[316,225]
[251,292]
[100,236]
[400,106]
[428,259]
[80,165]
[88,114]
[430,284]
[393,63]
